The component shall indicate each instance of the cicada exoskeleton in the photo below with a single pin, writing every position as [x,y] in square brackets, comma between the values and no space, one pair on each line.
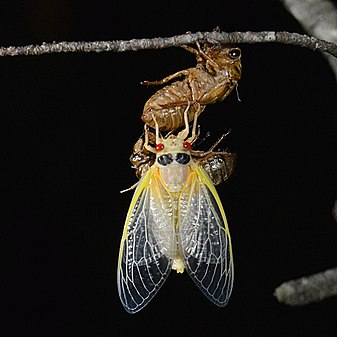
[216,74]
[219,165]
[141,159]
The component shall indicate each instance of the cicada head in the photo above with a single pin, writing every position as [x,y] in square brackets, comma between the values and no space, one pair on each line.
[173,155]
[173,143]
[224,59]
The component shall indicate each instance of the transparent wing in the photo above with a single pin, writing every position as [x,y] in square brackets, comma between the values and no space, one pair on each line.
[147,245]
[204,238]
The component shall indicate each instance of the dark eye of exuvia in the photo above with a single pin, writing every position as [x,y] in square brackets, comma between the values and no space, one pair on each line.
[234,53]
[165,159]
[182,158]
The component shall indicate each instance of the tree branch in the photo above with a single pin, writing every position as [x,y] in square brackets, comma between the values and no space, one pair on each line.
[318,18]
[309,289]
[334,210]
[174,41]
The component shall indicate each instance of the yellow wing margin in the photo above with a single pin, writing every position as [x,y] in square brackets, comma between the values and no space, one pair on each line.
[143,263]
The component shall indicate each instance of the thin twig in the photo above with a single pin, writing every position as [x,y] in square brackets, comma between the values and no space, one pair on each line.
[311,288]
[174,41]
[318,18]
[308,289]
[334,211]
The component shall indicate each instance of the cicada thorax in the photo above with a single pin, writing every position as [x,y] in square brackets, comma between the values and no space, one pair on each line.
[225,59]
[219,165]
[174,169]
[168,105]
[213,79]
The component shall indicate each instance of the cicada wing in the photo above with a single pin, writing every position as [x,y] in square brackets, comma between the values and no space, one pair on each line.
[204,238]
[145,257]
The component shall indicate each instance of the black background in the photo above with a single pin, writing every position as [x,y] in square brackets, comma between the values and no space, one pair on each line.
[69,122]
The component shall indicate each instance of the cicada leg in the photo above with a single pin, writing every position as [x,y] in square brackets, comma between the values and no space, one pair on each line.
[194,51]
[147,146]
[195,126]
[180,73]
[184,133]
[197,153]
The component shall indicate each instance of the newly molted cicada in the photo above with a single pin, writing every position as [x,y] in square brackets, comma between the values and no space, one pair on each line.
[217,72]
[218,164]
[175,221]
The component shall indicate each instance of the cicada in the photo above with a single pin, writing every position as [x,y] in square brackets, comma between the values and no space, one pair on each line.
[175,221]
[216,74]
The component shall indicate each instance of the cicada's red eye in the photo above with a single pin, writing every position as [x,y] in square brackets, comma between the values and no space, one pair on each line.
[187,145]
[159,147]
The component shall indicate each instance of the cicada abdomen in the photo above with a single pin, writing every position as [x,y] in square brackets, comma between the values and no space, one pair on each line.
[216,74]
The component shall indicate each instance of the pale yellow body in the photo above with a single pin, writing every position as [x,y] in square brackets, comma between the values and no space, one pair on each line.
[175,221]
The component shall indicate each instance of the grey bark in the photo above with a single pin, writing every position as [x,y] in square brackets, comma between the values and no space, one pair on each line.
[308,289]
[174,41]
[318,18]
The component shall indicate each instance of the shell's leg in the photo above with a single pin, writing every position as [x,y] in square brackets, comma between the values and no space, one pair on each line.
[200,154]
[194,51]
[158,138]
[168,78]
[208,59]
[218,141]
[195,126]
[147,146]
[184,133]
